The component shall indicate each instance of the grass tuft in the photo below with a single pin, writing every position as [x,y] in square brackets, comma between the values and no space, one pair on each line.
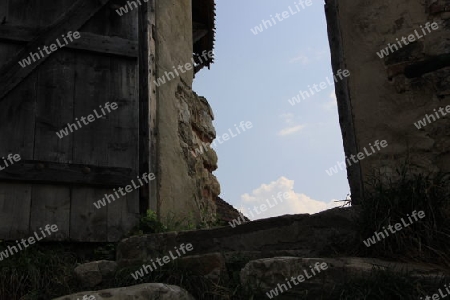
[388,202]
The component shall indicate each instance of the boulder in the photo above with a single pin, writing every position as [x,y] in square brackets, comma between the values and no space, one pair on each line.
[295,276]
[93,273]
[211,266]
[143,291]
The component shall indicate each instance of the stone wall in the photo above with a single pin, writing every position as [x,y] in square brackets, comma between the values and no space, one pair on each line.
[196,132]
[384,97]
[186,186]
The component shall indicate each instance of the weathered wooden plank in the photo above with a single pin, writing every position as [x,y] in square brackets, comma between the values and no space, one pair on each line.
[4,11]
[7,50]
[17,120]
[45,171]
[93,90]
[12,73]
[54,106]
[154,203]
[87,223]
[106,45]
[106,79]
[15,202]
[89,41]
[92,86]
[113,143]
[17,33]
[123,214]
[108,22]
[144,103]
[147,103]
[17,123]
[51,205]
[24,13]
[122,125]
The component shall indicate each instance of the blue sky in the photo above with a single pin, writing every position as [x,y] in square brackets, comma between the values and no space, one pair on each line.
[289,147]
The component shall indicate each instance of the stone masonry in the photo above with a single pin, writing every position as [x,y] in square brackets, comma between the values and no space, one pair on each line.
[385,96]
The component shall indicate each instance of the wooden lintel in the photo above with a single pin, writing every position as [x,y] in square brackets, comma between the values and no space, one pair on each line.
[59,173]
[88,41]
[11,74]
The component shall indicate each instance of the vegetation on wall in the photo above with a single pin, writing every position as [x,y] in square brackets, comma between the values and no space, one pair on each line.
[388,202]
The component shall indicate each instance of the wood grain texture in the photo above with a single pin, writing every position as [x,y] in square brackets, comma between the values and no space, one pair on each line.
[47,171]
[67,85]
[51,205]
[17,122]
[89,41]
[92,88]
[123,145]
[148,104]
[87,223]
[15,203]
[11,74]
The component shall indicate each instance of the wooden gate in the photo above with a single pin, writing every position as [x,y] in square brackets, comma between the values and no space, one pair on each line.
[58,179]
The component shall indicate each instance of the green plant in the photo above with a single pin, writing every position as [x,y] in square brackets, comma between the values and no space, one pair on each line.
[148,223]
[171,222]
[177,223]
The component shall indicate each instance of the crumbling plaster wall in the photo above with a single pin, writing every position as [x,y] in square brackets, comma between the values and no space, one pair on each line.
[187,187]
[378,102]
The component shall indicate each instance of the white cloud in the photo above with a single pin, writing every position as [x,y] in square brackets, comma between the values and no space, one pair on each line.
[301,58]
[305,57]
[291,130]
[332,104]
[288,118]
[270,194]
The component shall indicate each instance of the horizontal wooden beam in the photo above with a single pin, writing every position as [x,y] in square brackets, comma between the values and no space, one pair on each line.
[33,171]
[11,73]
[89,41]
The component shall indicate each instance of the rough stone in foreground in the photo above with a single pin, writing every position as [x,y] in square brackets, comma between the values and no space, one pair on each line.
[143,291]
[94,273]
[263,275]
[211,266]
[310,234]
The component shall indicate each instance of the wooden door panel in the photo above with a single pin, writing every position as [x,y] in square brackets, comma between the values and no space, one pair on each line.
[57,180]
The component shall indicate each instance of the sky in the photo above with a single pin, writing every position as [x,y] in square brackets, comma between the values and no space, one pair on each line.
[288,148]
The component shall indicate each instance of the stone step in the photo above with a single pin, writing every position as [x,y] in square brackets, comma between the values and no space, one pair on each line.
[328,233]
[285,277]
[294,277]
